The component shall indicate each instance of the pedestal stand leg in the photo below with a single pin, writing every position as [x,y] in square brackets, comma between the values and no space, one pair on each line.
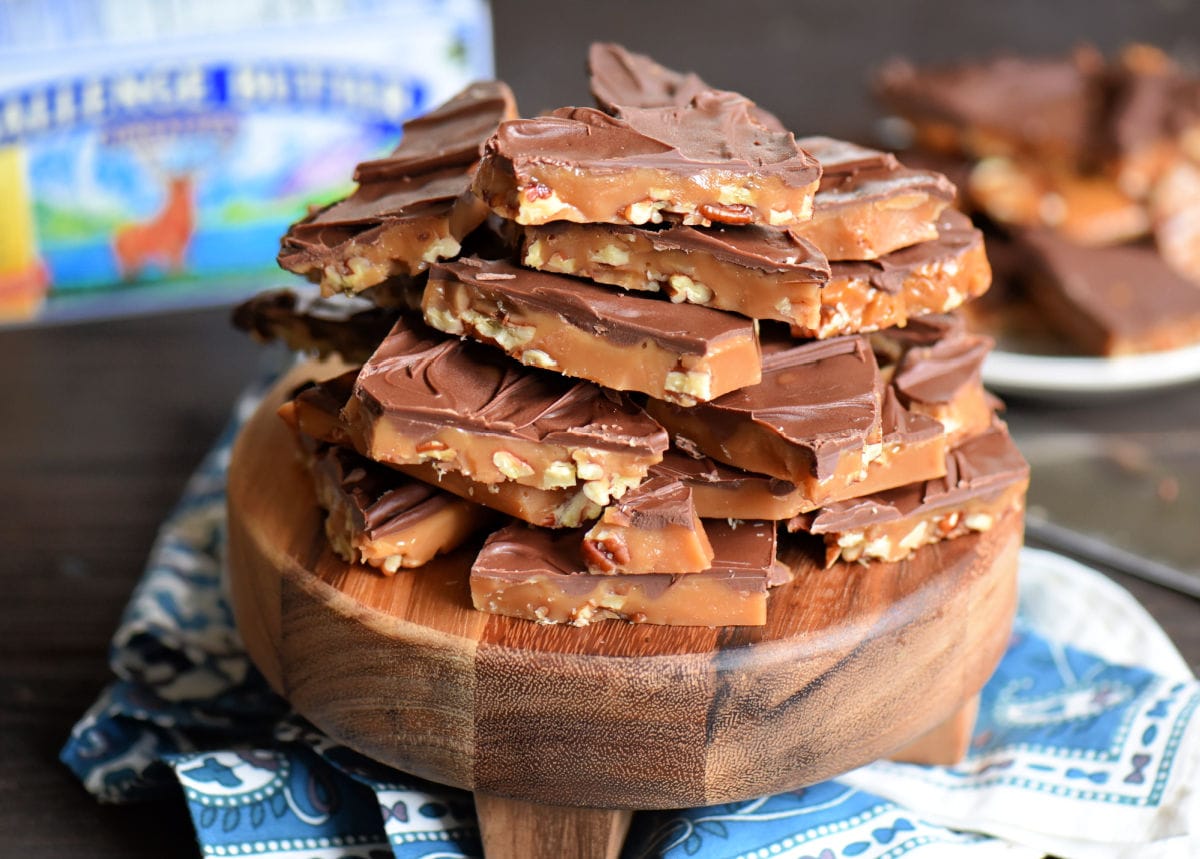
[946,744]
[514,829]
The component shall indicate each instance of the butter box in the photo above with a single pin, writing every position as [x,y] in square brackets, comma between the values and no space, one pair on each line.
[153,151]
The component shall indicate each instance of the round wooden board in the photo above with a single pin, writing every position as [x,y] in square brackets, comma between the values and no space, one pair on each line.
[853,663]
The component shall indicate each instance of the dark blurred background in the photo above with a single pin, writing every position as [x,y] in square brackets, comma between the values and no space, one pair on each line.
[810,62]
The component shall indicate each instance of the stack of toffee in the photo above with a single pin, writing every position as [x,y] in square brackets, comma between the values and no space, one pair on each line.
[656,341]
[1086,174]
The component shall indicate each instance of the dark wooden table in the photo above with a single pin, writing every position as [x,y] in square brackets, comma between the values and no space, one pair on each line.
[102,423]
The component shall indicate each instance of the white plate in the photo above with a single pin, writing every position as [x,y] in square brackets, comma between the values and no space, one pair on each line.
[1056,376]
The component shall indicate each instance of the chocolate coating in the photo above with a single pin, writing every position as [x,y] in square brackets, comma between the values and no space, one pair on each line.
[621,79]
[382,500]
[624,319]
[349,326]
[1117,299]
[379,202]
[657,502]
[418,377]
[937,373]
[820,397]
[761,248]
[693,471]
[841,160]
[714,131]
[850,173]
[451,135]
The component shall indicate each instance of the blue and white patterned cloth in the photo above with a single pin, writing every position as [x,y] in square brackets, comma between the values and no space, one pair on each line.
[1087,743]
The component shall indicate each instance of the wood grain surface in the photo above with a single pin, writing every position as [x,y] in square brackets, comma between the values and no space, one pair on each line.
[853,663]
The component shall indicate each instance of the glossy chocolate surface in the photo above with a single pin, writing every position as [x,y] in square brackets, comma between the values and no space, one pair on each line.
[819,397]
[451,135]
[628,320]
[1125,294]
[421,377]
[713,131]
[619,79]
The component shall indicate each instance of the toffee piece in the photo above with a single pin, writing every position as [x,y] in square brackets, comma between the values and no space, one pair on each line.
[423,398]
[315,412]
[1044,107]
[701,163]
[654,528]
[914,448]
[932,277]
[759,272]
[619,78]
[341,325]
[814,419]
[1119,300]
[868,204]
[539,575]
[986,478]
[411,208]
[380,517]
[941,378]
[683,354]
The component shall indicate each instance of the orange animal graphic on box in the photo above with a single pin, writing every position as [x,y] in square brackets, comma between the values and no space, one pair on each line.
[162,239]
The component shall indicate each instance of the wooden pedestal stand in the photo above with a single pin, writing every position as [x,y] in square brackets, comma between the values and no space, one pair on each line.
[560,731]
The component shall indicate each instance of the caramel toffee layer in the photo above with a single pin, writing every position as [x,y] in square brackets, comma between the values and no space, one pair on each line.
[868,204]
[378,516]
[812,419]
[653,528]
[620,79]
[985,478]
[759,272]
[348,327]
[1112,301]
[931,277]
[703,162]
[409,209]
[423,398]
[684,354]
[539,575]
